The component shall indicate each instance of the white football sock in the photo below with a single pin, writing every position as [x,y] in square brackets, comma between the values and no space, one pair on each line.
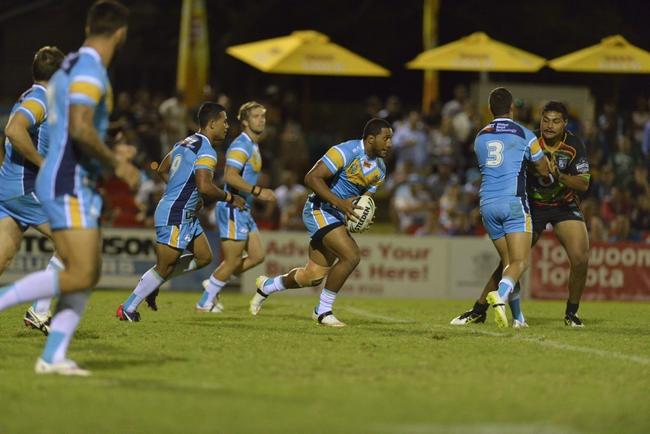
[211,291]
[327,298]
[149,282]
[275,284]
[42,284]
[42,306]
[64,323]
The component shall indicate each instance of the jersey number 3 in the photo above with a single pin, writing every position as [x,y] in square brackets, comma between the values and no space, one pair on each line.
[495,153]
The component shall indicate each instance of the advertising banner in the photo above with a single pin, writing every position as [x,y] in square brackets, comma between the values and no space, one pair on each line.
[391,265]
[617,271]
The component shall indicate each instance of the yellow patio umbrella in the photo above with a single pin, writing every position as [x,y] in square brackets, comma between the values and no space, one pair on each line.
[477,52]
[305,52]
[613,55]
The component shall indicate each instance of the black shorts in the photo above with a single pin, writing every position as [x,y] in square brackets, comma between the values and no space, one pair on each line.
[542,215]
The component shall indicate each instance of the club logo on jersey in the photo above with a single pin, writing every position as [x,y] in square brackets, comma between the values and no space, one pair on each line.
[562,163]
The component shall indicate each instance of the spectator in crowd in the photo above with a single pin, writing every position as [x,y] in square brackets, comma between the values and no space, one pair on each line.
[291,214]
[174,115]
[443,177]
[456,105]
[294,155]
[622,160]
[410,142]
[640,118]
[288,189]
[393,110]
[609,127]
[413,204]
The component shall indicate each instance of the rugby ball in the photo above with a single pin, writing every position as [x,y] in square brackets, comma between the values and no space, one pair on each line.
[364,215]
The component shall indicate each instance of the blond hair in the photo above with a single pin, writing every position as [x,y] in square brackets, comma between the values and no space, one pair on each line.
[246,108]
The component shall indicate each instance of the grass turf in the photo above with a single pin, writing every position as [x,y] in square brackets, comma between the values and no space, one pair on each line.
[397,368]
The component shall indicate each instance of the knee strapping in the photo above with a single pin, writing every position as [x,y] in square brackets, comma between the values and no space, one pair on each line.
[311,275]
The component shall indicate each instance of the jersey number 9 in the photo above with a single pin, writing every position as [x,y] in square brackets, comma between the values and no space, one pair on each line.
[176,163]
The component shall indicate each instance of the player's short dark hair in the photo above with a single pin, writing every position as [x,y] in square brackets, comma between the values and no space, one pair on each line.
[556,106]
[105,17]
[46,61]
[500,101]
[209,111]
[374,127]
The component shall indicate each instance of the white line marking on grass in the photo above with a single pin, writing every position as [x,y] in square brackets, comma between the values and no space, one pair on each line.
[367,314]
[537,340]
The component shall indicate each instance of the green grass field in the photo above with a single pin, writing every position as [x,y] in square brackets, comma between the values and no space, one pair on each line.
[397,368]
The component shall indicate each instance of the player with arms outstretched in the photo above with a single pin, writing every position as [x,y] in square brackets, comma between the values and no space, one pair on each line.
[25,147]
[188,170]
[345,172]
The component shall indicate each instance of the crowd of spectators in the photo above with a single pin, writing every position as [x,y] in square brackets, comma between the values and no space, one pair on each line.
[433,187]
[433,182]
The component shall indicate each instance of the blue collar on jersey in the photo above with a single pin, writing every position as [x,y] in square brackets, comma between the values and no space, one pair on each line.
[39,86]
[92,52]
[502,119]
[205,137]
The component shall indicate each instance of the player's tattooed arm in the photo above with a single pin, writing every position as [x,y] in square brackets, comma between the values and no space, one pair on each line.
[316,179]
[17,130]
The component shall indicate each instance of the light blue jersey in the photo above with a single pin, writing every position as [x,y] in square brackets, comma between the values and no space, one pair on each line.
[244,155]
[235,224]
[178,204]
[82,80]
[355,173]
[503,149]
[66,183]
[17,175]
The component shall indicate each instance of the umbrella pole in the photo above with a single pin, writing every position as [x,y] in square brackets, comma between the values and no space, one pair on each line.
[429,40]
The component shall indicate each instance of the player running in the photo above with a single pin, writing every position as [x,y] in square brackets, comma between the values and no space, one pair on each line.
[79,103]
[557,204]
[188,170]
[345,172]
[25,146]
[503,149]
[237,228]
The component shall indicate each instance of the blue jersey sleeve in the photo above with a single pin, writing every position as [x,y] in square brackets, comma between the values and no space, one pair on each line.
[206,158]
[239,152]
[34,107]
[87,84]
[533,149]
[337,157]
